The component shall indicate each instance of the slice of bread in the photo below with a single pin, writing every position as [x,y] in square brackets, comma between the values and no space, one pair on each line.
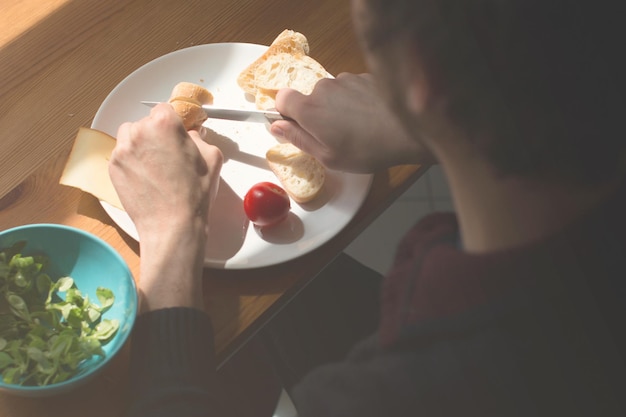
[187,100]
[301,175]
[265,99]
[285,70]
[192,93]
[288,41]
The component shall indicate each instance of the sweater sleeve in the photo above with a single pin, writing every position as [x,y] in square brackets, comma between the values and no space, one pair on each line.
[173,370]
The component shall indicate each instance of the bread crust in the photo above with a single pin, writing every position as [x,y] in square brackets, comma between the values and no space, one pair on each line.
[288,41]
[193,93]
[192,114]
[187,100]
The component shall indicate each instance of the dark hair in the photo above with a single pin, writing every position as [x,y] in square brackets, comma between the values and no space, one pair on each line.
[536,85]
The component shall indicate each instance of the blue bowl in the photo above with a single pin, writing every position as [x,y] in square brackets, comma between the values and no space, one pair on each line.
[92,263]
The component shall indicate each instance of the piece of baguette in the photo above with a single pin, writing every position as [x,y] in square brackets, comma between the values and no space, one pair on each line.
[301,175]
[187,100]
[286,63]
[265,99]
[288,41]
[286,70]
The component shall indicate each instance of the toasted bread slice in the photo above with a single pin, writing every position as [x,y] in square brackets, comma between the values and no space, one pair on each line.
[187,100]
[288,41]
[301,175]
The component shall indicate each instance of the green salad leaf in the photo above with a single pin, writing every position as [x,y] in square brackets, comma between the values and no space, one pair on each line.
[47,327]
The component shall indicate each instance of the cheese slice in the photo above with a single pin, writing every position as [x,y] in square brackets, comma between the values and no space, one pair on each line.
[87,167]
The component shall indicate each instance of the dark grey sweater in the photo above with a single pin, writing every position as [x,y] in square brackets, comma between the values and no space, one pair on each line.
[537,330]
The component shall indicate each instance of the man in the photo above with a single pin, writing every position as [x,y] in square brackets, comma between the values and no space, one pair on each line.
[513,307]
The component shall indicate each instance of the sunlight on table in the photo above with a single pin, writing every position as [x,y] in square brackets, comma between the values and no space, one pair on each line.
[12,14]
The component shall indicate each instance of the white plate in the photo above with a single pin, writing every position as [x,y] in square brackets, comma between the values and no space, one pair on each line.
[234,243]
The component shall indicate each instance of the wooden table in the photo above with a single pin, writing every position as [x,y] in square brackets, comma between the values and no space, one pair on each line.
[58,61]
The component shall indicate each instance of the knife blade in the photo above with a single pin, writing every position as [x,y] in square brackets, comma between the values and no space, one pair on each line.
[240,115]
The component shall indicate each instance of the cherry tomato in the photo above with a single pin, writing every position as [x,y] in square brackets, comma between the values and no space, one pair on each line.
[266,204]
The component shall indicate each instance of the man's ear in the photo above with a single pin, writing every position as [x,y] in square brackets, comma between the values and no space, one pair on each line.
[418,90]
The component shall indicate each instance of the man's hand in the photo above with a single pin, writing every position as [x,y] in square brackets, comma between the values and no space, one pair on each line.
[167,179]
[346,126]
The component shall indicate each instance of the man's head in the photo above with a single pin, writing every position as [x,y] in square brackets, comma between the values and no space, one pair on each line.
[534,85]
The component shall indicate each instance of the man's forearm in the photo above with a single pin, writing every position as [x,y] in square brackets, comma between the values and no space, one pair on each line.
[164,257]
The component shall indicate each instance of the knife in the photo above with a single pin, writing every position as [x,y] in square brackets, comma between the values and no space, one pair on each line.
[240,115]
